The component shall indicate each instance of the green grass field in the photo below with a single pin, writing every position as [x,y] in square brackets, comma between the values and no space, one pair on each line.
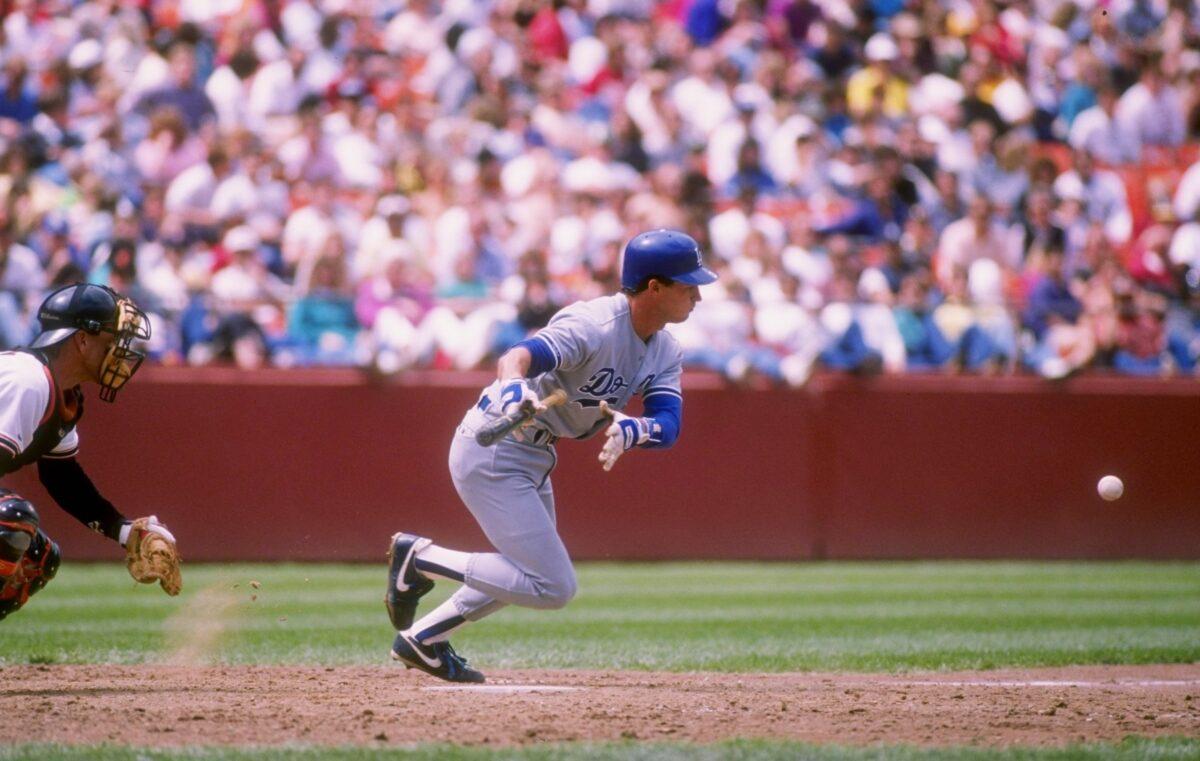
[676,617]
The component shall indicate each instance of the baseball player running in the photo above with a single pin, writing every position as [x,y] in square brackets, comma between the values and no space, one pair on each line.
[600,352]
[86,335]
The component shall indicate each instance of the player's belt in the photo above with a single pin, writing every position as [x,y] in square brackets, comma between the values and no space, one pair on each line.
[540,437]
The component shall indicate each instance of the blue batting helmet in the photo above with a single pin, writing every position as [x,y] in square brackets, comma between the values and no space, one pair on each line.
[664,253]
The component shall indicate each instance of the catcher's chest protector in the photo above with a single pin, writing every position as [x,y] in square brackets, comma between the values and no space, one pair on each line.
[57,421]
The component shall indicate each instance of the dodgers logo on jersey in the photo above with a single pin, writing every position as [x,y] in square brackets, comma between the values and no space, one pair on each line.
[602,386]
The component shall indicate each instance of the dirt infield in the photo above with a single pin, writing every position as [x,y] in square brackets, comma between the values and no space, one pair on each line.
[375,706]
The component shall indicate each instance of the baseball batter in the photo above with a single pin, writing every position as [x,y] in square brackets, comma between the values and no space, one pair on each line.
[86,335]
[601,352]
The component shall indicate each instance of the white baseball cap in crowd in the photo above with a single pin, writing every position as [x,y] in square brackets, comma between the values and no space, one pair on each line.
[881,47]
[85,54]
[872,283]
[392,204]
[240,238]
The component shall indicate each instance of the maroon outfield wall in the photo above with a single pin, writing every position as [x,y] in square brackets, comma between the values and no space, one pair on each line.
[306,465]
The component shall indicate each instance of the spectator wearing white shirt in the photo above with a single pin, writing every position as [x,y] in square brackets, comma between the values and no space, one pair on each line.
[228,87]
[392,303]
[301,24]
[727,139]
[796,156]
[877,321]
[787,327]
[349,129]
[1187,195]
[307,229]
[322,66]
[976,236]
[180,92]
[190,195]
[701,98]
[1152,110]
[729,229]
[164,276]
[241,285]
[392,223]
[1098,131]
[415,30]
[1103,194]
[719,333]
[276,89]
[845,348]
[21,283]
[585,225]
[248,188]
[657,116]
[247,305]
[308,155]
[168,149]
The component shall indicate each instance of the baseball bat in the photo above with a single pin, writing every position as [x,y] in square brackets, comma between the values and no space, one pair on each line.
[497,429]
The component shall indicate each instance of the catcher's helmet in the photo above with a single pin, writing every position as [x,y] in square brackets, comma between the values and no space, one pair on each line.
[664,253]
[96,309]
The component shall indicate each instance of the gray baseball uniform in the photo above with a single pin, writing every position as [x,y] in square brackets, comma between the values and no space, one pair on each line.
[595,356]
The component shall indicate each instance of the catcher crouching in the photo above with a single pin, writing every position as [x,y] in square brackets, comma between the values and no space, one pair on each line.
[87,336]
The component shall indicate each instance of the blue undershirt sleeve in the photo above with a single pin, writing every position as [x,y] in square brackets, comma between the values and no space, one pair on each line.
[665,410]
[543,357]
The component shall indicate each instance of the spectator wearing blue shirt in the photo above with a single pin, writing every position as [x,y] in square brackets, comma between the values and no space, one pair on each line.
[1080,95]
[1050,299]
[1061,344]
[18,101]
[705,22]
[925,346]
[322,324]
[878,215]
[750,175]
[182,92]
[1141,20]
[1183,329]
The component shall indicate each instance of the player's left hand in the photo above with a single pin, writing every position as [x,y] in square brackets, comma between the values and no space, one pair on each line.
[150,524]
[625,433]
[518,394]
[151,555]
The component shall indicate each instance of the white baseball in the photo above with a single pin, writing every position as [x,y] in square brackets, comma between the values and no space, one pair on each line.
[1110,488]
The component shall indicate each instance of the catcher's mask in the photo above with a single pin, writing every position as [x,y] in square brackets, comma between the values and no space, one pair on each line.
[97,309]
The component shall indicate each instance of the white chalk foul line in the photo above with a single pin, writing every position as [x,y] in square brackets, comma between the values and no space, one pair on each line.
[1060,683]
[500,688]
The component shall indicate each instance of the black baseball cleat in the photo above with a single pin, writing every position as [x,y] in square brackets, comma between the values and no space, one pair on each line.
[406,585]
[438,659]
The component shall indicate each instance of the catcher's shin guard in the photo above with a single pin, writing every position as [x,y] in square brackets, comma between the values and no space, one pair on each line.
[32,570]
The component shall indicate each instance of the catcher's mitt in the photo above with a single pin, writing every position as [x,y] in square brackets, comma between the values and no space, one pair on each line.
[151,556]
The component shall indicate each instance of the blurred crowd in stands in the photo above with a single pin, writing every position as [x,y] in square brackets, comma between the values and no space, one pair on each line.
[973,186]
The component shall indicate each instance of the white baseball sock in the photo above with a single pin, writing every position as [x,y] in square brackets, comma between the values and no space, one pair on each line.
[443,563]
[438,624]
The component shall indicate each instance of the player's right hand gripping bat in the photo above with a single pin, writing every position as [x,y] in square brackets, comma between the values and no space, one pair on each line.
[497,429]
